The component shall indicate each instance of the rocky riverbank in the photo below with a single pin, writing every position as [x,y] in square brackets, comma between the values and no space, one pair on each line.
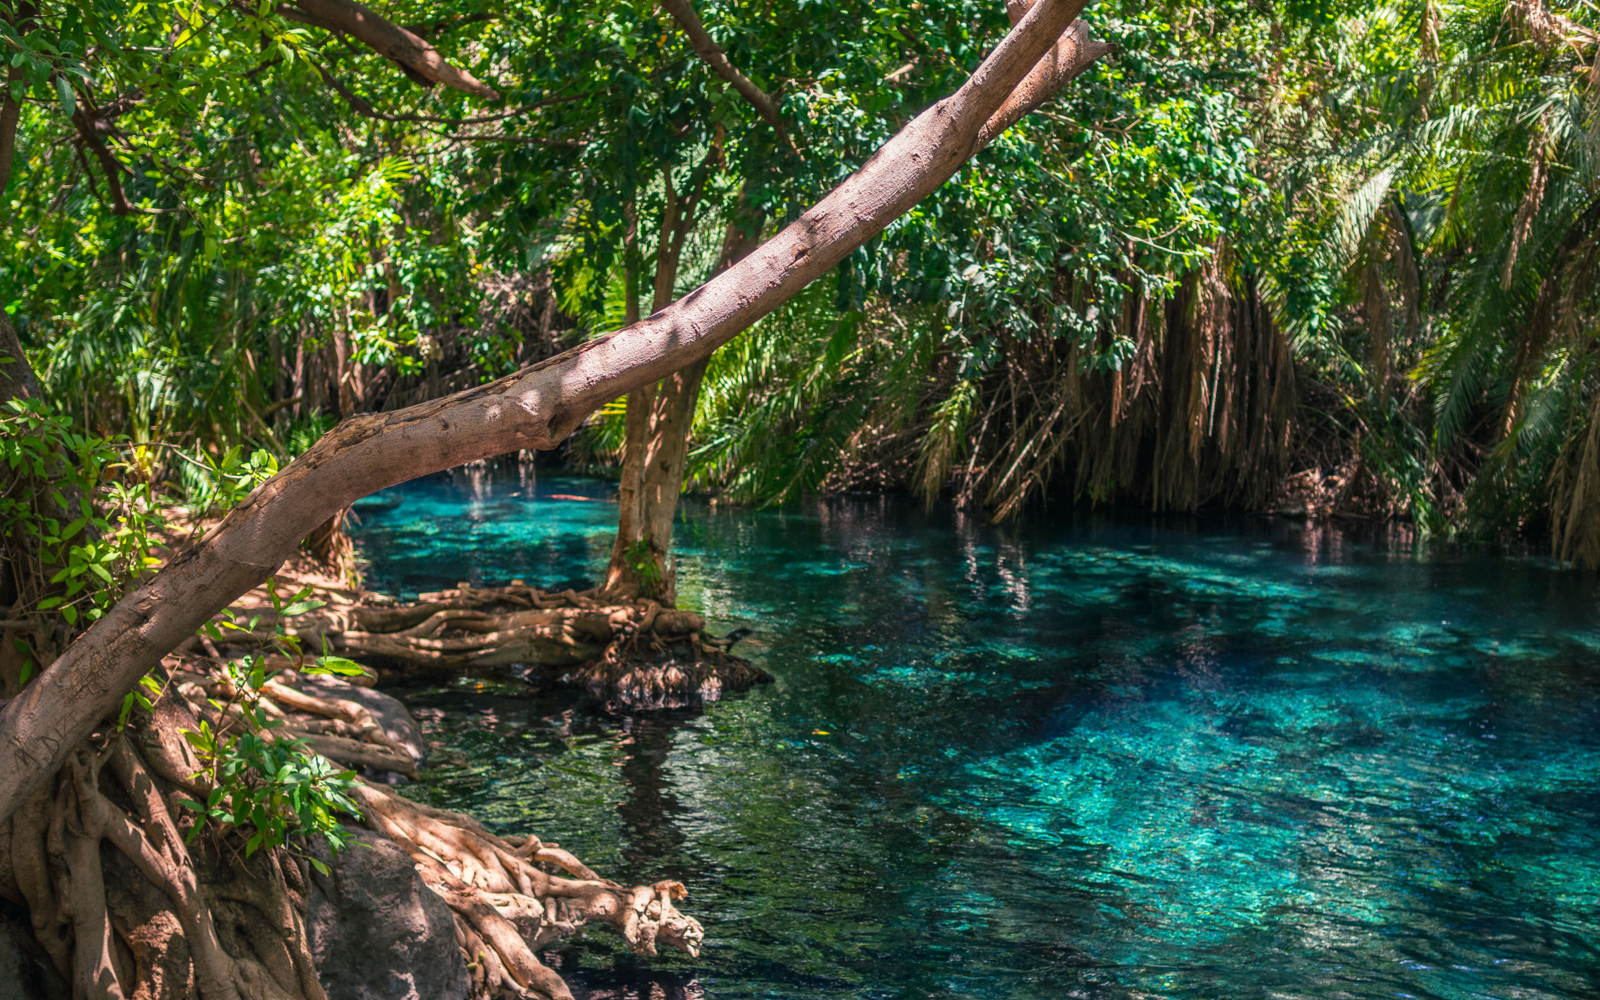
[423,904]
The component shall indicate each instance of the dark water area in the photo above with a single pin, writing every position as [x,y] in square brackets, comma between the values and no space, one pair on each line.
[1078,757]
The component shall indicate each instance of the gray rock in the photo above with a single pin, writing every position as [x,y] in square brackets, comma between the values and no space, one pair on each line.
[25,971]
[390,712]
[378,933]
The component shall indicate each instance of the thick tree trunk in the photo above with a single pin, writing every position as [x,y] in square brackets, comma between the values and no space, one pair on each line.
[639,565]
[21,22]
[534,408]
[10,114]
[659,420]
[657,434]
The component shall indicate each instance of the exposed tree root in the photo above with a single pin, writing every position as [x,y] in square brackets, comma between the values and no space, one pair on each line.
[125,909]
[507,906]
[640,653]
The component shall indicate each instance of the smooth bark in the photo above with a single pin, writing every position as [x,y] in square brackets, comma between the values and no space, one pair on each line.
[639,563]
[415,56]
[21,23]
[655,456]
[534,408]
[10,114]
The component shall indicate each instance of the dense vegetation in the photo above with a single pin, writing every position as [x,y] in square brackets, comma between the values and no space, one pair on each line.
[1324,257]
[1319,259]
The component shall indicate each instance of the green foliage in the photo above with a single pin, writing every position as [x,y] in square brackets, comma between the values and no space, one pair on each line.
[61,500]
[1408,190]
[1444,228]
[277,787]
[217,486]
[646,564]
[1108,195]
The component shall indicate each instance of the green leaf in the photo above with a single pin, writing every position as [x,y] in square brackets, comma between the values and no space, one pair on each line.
[300,608]
[69,104]
[338,665]
[321,867]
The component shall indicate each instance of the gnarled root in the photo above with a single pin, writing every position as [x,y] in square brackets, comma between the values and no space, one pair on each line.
[151,918]
[507,905]
[342,730]
[652,665]
[640,653]
[126,910]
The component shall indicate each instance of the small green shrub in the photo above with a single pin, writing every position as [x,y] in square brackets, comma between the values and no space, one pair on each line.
[278,788]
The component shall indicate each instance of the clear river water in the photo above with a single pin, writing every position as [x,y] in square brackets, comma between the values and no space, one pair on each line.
[1078,757]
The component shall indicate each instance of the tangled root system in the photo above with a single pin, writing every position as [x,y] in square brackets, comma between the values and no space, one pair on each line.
[638,653]
[125,908]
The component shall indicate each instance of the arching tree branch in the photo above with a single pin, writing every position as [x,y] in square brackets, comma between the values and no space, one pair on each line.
[534,408]
[683,12]
[415,56]
[1071,55]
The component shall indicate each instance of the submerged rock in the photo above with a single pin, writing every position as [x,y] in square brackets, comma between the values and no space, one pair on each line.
[376,932]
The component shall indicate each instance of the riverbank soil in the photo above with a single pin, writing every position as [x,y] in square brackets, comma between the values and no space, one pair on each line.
[112,891]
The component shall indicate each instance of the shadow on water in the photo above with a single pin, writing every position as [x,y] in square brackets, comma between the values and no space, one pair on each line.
[1084,756]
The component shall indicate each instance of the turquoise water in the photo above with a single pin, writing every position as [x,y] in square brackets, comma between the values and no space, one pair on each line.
[1079,757]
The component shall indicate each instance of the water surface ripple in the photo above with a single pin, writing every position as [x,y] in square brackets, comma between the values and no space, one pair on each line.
[1073,758]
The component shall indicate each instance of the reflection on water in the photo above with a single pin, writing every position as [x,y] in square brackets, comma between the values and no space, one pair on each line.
[1073,758]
